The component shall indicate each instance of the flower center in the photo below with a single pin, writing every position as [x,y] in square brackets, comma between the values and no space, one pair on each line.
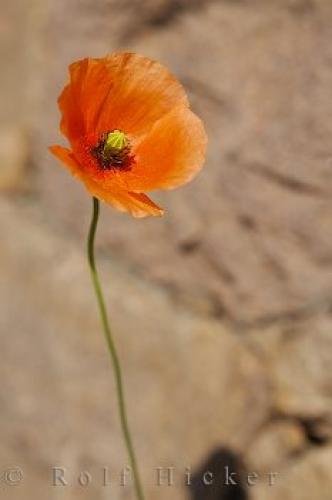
[115,140]
[112,151]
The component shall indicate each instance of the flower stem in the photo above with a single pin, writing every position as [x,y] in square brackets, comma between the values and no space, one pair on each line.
[112,351]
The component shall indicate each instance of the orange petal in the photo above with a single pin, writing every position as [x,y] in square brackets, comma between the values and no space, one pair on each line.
[125,91]
[81,100]
[171,154]
[137,204]
[142,92]
[67,158]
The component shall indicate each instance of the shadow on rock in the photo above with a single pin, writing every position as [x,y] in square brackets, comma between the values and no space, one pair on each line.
[219,478]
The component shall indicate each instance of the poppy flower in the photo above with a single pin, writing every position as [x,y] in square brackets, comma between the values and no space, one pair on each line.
[130,130]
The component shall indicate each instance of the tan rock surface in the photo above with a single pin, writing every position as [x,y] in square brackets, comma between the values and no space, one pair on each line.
[275,446]
[254,227]
[191,384]
[222,309]
[308,479]
[298,357]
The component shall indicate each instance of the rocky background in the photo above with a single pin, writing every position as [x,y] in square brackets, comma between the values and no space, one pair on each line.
[222,309]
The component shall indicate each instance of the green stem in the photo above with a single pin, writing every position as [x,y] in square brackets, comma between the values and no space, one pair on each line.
[112,351]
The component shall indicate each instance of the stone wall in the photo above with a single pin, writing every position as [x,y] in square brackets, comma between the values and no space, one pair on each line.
[229,293]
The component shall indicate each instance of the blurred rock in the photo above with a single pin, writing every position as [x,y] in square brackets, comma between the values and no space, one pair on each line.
[275,446]
[308,478]
[14,159]
[298,357]
[249,240]
[222,309]
[191,384]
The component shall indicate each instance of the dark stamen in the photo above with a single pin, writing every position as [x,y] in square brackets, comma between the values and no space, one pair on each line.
[112,157]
